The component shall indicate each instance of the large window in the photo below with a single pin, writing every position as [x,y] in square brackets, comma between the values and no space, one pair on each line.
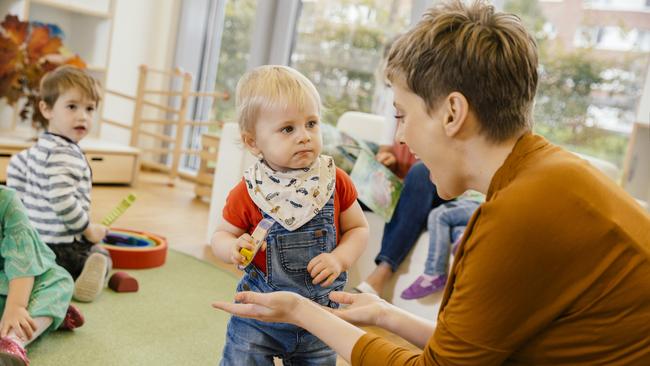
[591,67]
[339,45]
[590,80]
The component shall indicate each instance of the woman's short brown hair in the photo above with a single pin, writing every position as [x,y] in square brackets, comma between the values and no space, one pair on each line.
[488,57]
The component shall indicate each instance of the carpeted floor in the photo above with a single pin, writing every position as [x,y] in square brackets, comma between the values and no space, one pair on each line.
[169,321]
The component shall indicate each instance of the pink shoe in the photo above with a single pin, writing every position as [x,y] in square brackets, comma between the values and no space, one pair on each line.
[73,319]
[12,353]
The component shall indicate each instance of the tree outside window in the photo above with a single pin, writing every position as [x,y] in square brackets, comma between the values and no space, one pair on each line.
[339,45]
[233,57]
[587,97]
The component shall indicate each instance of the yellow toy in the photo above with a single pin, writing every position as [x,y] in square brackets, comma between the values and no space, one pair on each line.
[259,236]
[119,210]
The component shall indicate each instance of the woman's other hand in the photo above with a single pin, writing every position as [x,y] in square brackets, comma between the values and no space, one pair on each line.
[360,309]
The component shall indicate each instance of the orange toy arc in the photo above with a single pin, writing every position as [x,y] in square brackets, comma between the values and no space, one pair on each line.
[138,257]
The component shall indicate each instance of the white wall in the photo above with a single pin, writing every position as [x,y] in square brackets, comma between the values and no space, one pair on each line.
[144,32]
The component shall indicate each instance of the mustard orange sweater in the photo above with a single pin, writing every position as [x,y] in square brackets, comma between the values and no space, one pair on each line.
[555,270]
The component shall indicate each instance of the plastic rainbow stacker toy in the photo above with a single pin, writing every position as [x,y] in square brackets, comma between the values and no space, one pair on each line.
[131,249]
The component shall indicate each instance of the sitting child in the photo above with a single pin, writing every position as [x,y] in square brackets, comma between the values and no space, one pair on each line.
[53,179]
[446,224]
[34,291]
[318,230]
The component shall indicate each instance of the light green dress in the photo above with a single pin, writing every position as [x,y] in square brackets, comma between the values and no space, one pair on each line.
[23,254]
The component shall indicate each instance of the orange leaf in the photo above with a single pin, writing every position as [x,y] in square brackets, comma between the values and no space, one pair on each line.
[9,55]
[76,61]
[10,88]
[15,29]
[41,44]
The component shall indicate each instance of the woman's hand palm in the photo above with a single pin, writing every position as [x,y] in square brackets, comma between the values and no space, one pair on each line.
[270,307]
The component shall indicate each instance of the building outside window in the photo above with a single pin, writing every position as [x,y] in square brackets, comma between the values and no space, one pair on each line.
[592,69]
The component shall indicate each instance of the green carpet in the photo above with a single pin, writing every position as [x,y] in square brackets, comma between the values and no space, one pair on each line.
[169,321]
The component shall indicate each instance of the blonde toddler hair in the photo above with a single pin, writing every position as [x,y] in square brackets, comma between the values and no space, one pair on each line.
[271,86]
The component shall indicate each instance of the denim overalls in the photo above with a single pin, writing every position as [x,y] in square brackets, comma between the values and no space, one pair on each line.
[253,342]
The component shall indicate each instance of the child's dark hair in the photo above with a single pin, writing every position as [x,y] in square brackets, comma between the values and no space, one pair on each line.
[62,79]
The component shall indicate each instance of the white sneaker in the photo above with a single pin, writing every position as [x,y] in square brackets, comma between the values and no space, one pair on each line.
[365,288]
[91,281]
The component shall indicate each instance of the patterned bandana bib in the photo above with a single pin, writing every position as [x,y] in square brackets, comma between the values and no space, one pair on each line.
[292,198]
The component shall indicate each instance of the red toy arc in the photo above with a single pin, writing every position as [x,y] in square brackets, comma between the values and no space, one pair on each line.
[138,257]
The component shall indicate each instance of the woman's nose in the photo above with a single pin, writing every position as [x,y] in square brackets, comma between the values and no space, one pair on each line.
[399,135]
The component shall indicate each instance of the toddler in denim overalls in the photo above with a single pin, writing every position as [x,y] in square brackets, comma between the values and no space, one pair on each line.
[318,230]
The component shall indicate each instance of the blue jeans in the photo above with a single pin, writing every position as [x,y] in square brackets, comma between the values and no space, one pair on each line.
[418,197]
[446,224]
[253,342]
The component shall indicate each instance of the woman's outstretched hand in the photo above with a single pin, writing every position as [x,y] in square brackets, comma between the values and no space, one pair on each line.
[278,307]
[360,309]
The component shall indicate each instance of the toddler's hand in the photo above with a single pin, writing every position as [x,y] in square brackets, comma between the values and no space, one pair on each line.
[244,241]
[18,319]
[94,233]
[325,267]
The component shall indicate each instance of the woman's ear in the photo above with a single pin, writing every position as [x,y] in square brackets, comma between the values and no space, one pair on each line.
[249,142]
[456,113]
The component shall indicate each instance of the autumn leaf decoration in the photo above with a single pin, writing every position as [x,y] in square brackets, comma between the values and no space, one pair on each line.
[27,52]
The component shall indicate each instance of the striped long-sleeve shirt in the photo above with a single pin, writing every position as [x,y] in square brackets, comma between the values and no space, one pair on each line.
[53,180]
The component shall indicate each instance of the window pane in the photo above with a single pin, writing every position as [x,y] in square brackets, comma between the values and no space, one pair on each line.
[591,71]
[339,45]
[233,57]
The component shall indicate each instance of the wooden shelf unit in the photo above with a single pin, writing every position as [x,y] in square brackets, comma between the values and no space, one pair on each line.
[111,164]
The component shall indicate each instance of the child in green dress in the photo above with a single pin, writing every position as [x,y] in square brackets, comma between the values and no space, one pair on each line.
[35,292]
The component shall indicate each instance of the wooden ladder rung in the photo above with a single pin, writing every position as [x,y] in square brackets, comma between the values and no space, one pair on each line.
[115,123]
[155,165]
[157,135]
[205,123]
[120,94]
[160,106]
[159,121]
